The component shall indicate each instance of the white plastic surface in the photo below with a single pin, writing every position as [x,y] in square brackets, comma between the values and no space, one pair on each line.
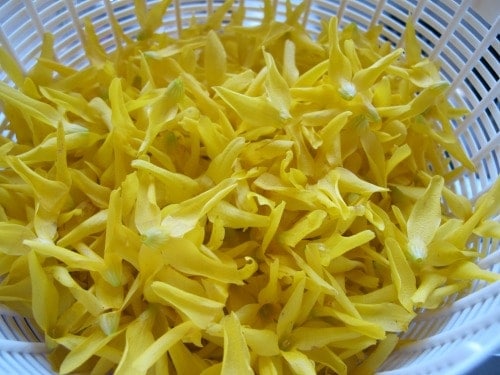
[464,35]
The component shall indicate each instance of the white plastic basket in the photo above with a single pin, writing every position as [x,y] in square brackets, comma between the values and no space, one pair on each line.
[462,34]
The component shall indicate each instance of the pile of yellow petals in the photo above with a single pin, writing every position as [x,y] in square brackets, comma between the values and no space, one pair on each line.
[241,199]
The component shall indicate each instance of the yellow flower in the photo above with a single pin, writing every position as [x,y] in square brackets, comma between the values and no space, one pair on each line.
[237,199]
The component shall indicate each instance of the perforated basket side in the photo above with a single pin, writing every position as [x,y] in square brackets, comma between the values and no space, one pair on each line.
[450,340]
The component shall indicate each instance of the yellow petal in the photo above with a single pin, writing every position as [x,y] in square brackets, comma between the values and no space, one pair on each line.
[147,212]
[70,258]
[11,67]
[303,227]
[402,274]
[412,45]
[308,338]
[339,68]
[162,111]
[236,358]
[290,71]
[41,74]
[85,297]
[328,358]
[138,336]
[152,353]
[215,59]
[12,237]
[429,282]
[151,19]
[367,77]
[30,107]
[291,310]
[183,218]
[180,186]
[201,311]
[488,228]
[84,350]
[299,363]
[391,316]
[277,88]
[378,356]
[94,224]
[255,111]
[45,298]
[425,218]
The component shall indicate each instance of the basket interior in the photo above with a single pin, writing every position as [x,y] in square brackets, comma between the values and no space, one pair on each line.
[462,35]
